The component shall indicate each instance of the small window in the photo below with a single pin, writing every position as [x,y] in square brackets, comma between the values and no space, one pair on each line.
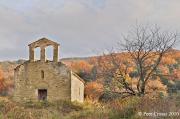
[42,74]
[79,91]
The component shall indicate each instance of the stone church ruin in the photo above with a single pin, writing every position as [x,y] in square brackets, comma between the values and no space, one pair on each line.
[37,80]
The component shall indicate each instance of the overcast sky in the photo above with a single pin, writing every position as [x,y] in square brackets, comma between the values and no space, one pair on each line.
[82,27]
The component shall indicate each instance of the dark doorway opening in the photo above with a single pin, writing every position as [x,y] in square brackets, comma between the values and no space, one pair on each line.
[42,94]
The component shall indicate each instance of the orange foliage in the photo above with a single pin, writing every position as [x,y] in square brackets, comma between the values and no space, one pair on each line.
[1,80]
[81,66]
[93,90]
[164,69]
[168,60]
[176,73]
[107,63]
[156,86]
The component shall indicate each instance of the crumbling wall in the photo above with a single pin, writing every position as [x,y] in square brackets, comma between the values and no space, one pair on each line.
[77,88]
[28,79]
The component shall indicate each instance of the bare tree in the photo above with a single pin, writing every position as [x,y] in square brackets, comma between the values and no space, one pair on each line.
[145,47]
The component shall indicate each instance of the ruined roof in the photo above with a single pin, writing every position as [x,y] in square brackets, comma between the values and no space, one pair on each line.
[78,77]
[42,42]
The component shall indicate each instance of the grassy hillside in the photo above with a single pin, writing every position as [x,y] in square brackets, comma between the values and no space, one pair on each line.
[46,110]
[85,68]
[118,109]
[96,106]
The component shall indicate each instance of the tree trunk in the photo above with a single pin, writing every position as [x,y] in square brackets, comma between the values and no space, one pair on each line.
[143,86]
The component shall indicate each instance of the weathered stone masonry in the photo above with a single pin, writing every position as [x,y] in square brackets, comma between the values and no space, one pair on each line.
[46,80]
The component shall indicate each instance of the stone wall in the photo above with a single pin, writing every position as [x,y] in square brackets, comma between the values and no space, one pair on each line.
[77,88]
[56,79]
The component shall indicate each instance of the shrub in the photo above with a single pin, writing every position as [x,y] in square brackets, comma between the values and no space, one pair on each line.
[37,105]
[93,90]
[67,106]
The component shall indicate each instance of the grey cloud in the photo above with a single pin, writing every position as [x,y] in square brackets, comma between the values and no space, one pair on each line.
[82,27]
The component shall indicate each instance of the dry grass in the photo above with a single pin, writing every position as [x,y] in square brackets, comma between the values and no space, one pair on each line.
[46,110]
[117,109]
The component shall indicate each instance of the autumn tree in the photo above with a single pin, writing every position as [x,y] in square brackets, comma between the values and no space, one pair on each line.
[143,48]
[93,90]
[82,68]
[2,85]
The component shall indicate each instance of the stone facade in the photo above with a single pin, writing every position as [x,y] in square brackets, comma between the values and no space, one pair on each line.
[46,80]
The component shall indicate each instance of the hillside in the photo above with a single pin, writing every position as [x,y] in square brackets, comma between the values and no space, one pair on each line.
[118,109]
[96,105]
[84,67]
